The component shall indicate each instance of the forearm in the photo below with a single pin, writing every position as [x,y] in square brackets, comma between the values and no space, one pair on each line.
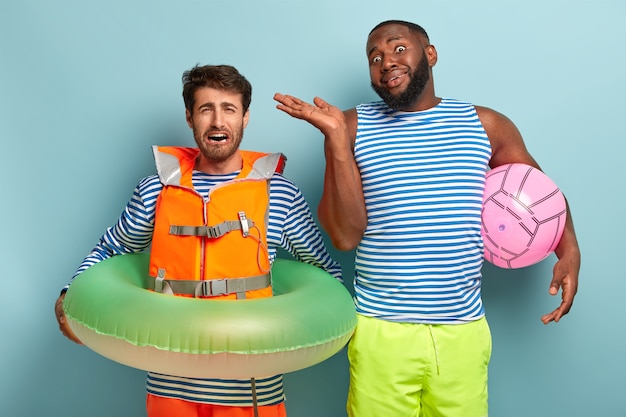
[133,230]
[299,234]
[568,245]
[341,211]
[565,272]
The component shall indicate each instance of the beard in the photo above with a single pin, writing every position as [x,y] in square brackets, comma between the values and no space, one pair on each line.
[217,152]
[408,97]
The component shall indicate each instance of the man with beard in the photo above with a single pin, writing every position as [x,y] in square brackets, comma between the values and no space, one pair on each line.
[403,185]
[174,213]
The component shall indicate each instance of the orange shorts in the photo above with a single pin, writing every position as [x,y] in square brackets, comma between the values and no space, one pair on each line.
[168,407]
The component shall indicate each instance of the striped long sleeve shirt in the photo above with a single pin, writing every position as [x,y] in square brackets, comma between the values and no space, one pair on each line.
[290,227]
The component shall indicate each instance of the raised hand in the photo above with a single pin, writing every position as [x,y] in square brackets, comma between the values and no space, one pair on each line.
[327,118]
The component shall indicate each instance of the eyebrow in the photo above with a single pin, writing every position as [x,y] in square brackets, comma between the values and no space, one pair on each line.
[222,104]
[394,38]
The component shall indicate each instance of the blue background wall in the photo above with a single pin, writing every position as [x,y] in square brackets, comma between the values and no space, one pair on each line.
[87,87]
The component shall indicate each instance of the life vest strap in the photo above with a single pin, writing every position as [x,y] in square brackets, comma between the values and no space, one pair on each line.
[212,232]
[211,287]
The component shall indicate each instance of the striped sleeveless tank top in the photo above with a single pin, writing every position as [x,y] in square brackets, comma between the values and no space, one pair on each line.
[423,177]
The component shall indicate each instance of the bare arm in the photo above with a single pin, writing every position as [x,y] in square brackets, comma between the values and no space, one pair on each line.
[341,210]
[508,147]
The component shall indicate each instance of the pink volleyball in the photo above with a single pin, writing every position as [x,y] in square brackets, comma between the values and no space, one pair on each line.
[523,216]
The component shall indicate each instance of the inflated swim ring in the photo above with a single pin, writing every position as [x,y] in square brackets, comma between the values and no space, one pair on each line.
[310,318]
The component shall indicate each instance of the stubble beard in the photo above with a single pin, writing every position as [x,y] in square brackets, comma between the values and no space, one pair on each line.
[218,153]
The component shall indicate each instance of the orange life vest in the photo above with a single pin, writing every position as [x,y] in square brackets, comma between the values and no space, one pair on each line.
[213,246]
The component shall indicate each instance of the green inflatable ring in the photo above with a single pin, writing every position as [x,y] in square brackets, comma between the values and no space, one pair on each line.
[310,318]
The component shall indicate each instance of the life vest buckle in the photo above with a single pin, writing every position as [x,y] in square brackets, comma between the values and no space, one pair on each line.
[245,230]
[213,287]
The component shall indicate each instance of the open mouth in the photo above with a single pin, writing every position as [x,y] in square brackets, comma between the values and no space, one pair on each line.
[218,137]
[394,81]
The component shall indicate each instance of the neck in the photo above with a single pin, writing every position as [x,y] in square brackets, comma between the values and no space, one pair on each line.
[426,100]
[424,104]
[232,164]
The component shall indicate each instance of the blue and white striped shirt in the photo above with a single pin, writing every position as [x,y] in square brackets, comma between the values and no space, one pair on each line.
[423,178]
[290,227]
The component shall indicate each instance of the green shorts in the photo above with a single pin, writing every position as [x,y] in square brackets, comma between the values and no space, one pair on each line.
[411,370]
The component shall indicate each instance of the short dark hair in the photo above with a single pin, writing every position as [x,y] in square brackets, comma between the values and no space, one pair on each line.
[415,28]
[221,77]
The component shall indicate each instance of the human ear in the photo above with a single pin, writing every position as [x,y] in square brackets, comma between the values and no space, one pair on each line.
[431,54]
[189,118]
[246,117]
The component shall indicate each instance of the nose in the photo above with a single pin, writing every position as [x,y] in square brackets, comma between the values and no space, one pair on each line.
[218,120]
[388,62]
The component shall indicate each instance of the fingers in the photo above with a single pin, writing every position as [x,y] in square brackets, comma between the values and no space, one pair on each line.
[567,300]
[320,103]
[285,97]
[325,117]
[557,314]
[564,278]
[548,318]
[67,332]
[296,105]
[278,96]
[58,309]
[64,326]
[293,106]
[289,101]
